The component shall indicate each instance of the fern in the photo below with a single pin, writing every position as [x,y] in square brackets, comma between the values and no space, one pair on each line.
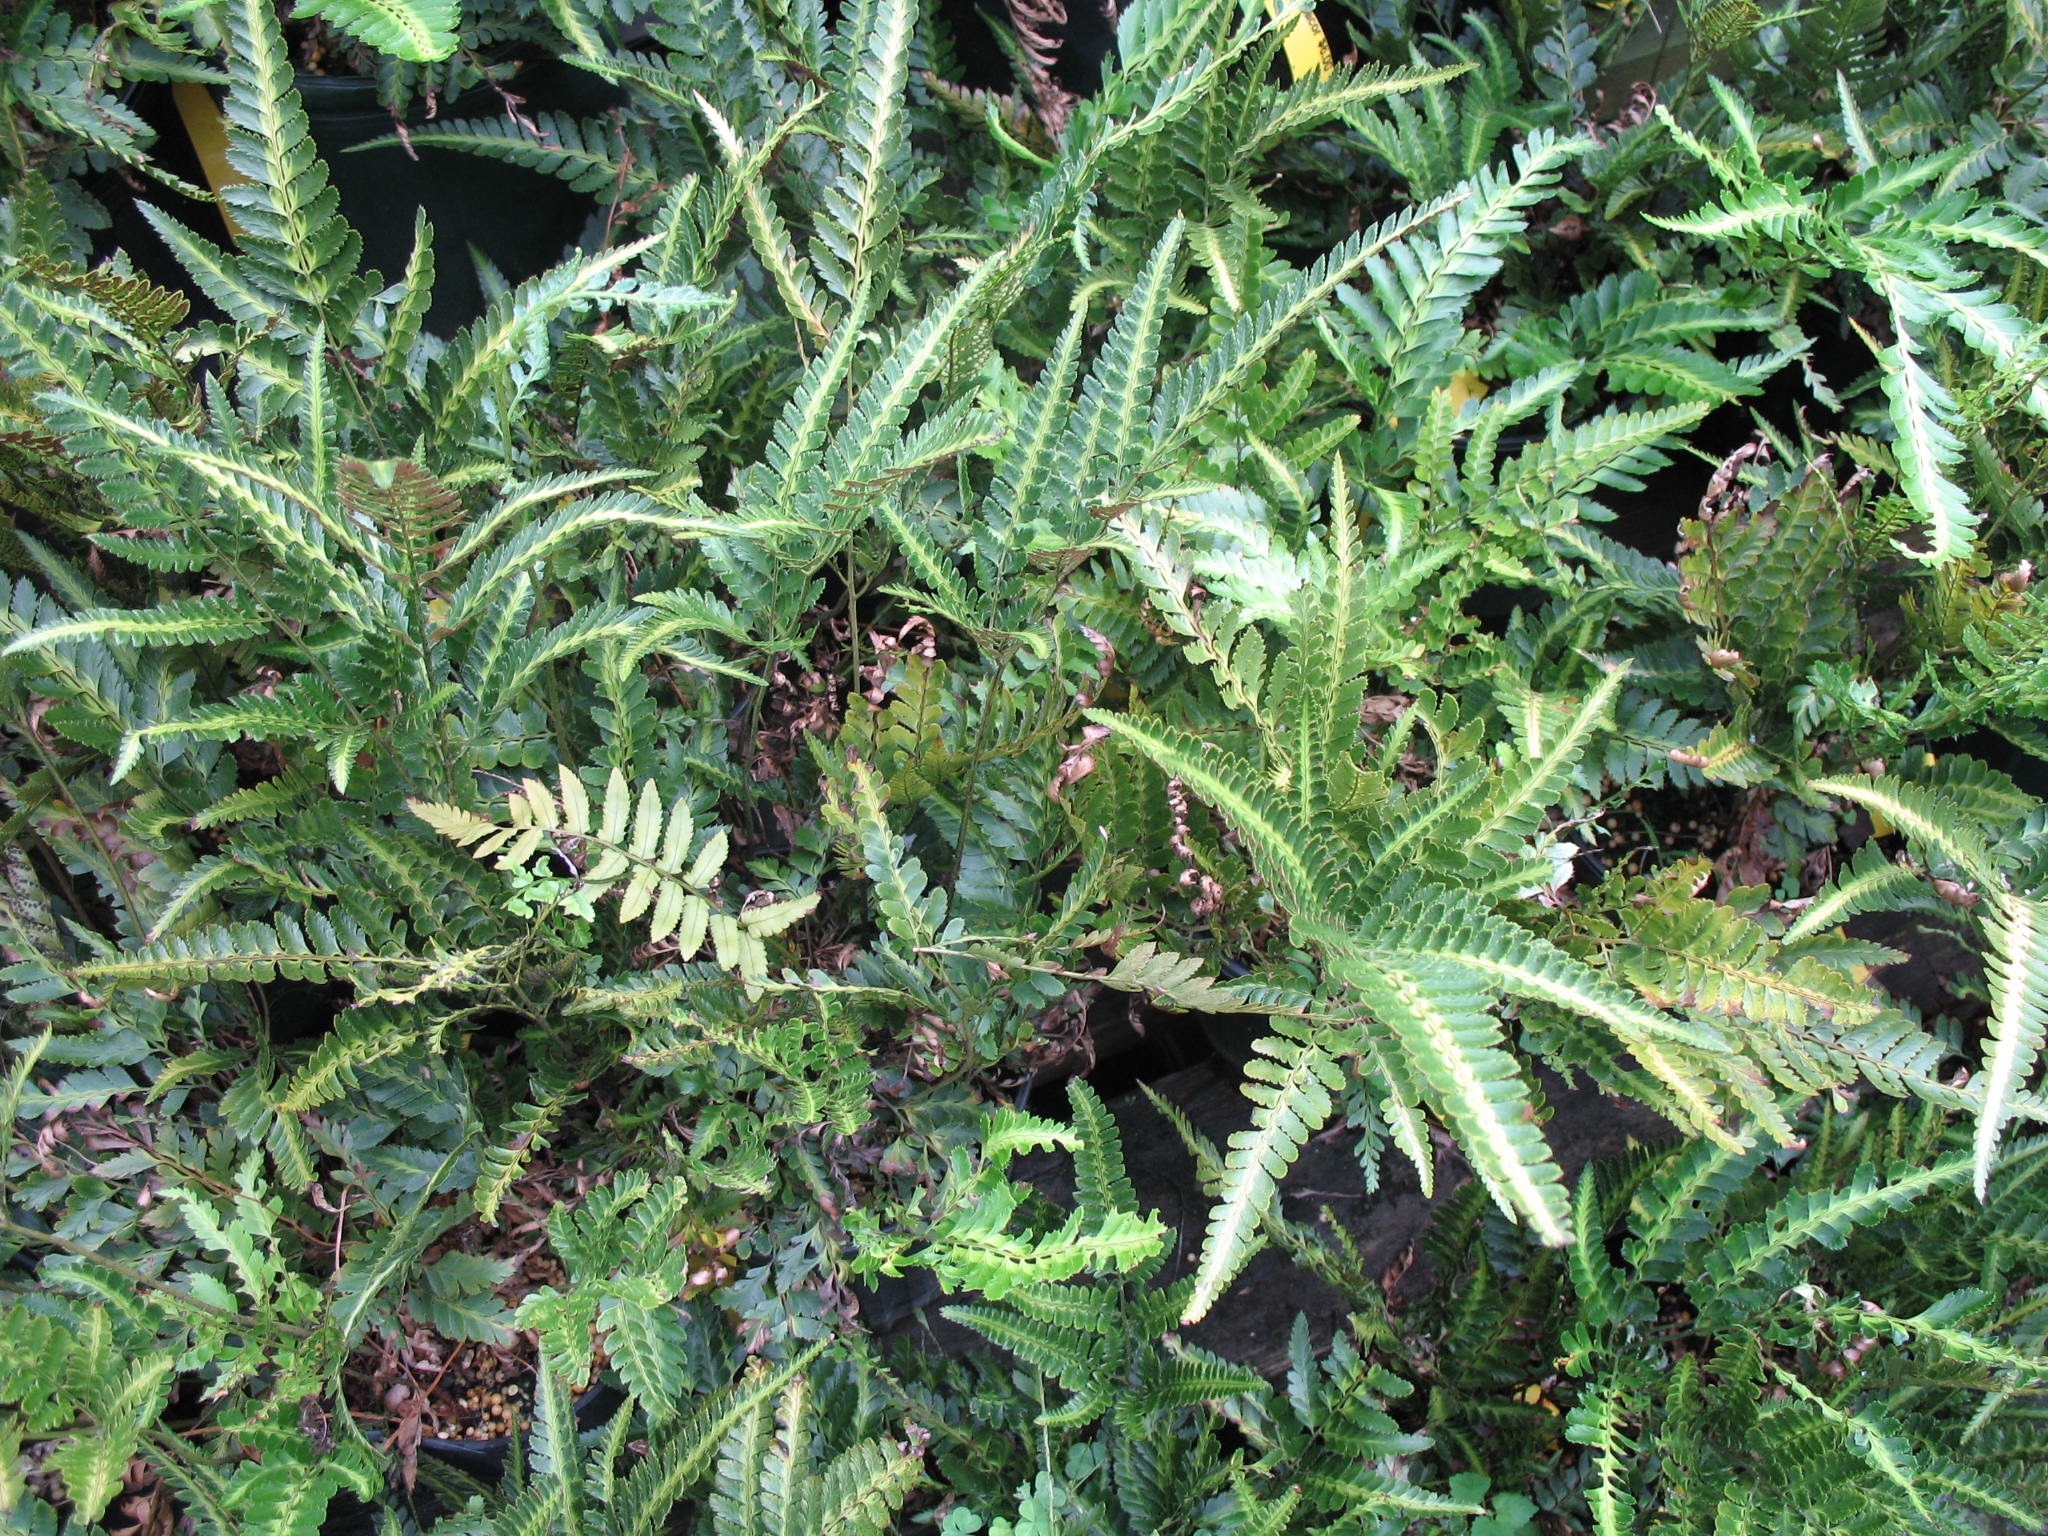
[1289,1083]
[421,31]
[643,854]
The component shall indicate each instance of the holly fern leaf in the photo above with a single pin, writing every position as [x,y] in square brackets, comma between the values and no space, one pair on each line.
[649,855]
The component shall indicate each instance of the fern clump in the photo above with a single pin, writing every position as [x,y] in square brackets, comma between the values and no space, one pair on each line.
[573,847]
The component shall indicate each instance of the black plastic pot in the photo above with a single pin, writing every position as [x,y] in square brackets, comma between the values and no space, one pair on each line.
[477,1461]
[519,220]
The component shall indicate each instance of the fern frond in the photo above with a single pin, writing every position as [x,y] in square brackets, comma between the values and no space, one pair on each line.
[1825,1217]
[419,31]
[1289,1083]
[285,208]
[860,208]
[1596,1421]
[360,1038]
[1296,860]
[321,948]
[1924,415]
[1442,1020]
[1100,1183]
[176,621]
[679,1457]
[525,1133]
[1197,388]
[600,157]
[2017,970]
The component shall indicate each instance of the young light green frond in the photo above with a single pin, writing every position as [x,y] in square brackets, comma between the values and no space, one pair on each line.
[1289,1083]
[1100,1183]
[2017,970]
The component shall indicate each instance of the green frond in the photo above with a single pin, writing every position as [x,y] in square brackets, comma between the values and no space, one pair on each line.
[525,1133]
[1195,389]
[1100,1183]
[2017,970]
[1283,114]
[1531,787]
[285,210]
[313,951]
[592,157]
[860,207]
[1929,819]
[1596,1420]
[1288,853]
[1176,981]
[1409,311]
[1826,1217]
[476,376]
[1108,424]
[1442,1019]
[359,1039]
[1924,417]
[681,1455]
[1289,1083]
[1869,883]
[178,621]
[421,31]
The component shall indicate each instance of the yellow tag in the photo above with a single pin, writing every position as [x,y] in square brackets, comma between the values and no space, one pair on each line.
[203,127]
[1466,385]
[1307,50]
